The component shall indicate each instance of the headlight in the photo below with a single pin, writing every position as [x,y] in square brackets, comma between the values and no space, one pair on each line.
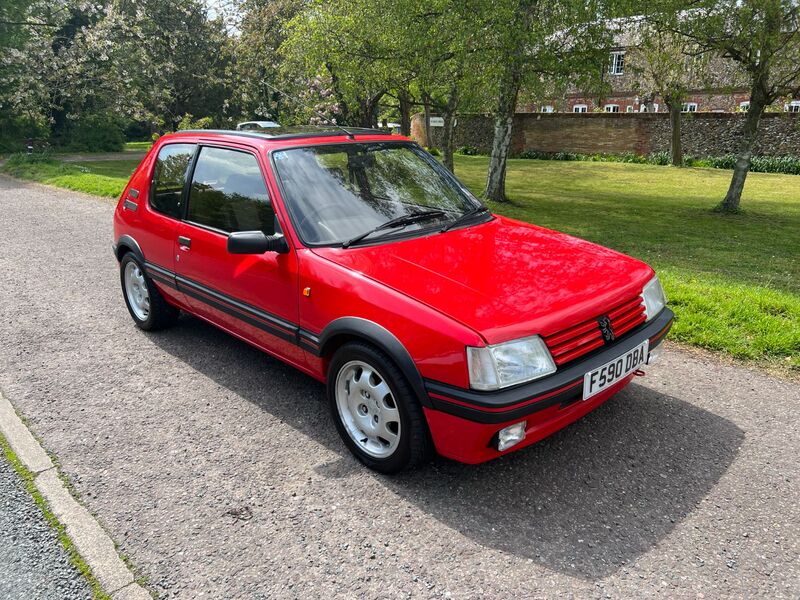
[654,298]
[510,363]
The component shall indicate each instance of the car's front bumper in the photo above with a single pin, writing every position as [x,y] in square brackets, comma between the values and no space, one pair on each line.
[463,422]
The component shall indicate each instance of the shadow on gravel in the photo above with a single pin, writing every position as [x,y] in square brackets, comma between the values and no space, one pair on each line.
[585,502]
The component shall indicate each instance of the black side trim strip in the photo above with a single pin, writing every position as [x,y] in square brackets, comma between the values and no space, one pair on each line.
[308,341]
[242,316]
[571,373]
[192,287]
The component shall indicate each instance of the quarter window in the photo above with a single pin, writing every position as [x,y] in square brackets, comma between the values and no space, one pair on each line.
[228,193]
[169,178]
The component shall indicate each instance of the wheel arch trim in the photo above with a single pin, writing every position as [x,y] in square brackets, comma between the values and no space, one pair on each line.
[126,241]
[372,333]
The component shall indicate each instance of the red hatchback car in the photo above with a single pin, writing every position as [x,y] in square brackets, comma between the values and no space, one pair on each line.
[357,258]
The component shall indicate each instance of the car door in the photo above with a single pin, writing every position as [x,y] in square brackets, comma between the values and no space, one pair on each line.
[162,214]
[253,296]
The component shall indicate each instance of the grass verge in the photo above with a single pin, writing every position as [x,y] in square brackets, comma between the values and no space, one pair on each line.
[105,178]
[75,558]
[137,146]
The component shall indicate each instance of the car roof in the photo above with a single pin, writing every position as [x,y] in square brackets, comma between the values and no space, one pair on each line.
[294,132]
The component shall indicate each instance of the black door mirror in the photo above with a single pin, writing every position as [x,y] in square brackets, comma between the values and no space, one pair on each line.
[255,242]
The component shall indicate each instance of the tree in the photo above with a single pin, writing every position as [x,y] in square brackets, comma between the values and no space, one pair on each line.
[256,74]
[667,65]
[762,38]
[537,44]
[368,51]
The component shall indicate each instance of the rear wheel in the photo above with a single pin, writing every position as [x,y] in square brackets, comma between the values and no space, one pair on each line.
[376,412]
[145,303]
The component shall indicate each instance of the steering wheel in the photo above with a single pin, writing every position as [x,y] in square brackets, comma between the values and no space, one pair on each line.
[316,212]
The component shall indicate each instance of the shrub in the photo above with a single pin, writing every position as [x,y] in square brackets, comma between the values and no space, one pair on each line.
[433,151]
[93,133]
[468,151]
[789,165]
[189,122]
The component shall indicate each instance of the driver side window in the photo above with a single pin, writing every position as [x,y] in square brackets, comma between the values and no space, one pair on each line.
[228,193]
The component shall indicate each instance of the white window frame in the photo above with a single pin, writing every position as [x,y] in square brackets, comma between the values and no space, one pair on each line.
[606,108]
[745,106]
[792,107]
[547,108]
[580,108]
[689,107]
[617,64]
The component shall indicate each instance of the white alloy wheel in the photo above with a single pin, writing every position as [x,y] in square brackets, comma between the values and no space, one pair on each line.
[367,409]
[136,291]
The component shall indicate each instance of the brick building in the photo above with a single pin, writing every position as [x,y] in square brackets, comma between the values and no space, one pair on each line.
[721,88]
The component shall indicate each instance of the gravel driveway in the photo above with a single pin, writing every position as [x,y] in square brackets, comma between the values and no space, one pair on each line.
[33,564]
[218,470]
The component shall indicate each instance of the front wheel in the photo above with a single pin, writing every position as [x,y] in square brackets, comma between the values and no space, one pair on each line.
[376,412]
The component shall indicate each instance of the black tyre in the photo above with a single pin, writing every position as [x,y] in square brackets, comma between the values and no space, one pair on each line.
[145,303]
[375,410]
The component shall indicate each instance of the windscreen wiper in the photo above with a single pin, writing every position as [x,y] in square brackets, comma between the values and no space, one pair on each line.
[396,222]
[467,215]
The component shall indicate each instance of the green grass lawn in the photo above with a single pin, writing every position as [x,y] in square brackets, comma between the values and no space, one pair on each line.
[104,178]
[137,146]
[733,281]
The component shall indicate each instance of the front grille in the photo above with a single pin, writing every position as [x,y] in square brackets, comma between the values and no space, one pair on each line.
[582,338]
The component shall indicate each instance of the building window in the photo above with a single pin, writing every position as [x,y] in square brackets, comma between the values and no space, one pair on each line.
[689,107]
[617,64]
[547,108]
[793,106]
[580,108]
[744,106]
[614,108]
[629,108]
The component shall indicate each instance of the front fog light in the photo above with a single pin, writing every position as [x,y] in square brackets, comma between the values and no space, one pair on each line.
[511,435]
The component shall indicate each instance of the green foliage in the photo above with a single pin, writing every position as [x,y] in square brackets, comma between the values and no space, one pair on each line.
[93,133]
[468,151]
[787,165]
[433,151]
[189,122]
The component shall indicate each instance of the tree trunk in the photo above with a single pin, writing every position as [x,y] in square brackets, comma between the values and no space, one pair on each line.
[404,99]
[426,103]
[503,123]
[449,115]
[675,131]
[758,102]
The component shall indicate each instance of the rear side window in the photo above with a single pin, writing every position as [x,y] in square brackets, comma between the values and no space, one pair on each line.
[228,192]
[169,178]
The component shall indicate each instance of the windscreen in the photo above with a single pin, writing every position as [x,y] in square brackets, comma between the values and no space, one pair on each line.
[336,192]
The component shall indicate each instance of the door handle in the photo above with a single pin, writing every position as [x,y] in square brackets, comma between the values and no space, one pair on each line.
[184,242]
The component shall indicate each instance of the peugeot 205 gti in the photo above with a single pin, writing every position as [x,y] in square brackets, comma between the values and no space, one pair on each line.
[356,257]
